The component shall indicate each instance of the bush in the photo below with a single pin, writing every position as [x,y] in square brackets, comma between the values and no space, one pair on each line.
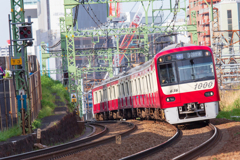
[36,123]
[50,89]
[44,112]
[6,134]
[230,105]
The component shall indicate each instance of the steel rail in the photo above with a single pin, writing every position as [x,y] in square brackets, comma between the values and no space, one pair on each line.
[73,147]
[202,147]
[149,151]
[58,147]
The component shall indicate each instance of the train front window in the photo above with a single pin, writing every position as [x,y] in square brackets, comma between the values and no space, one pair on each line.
[167,74]
[195,69]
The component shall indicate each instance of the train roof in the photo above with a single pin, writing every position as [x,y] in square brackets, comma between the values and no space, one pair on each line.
[142,66]
[178,45]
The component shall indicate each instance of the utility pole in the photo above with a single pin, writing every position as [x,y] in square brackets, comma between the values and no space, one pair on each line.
[20,38]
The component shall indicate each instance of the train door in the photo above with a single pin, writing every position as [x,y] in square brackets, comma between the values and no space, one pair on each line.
[146,91]
[139,92]
[119,96]
[127,94]
[130,93]
[150,90]
[114,98]
[135,93]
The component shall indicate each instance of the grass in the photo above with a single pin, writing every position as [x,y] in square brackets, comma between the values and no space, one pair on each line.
[230,105]
[50,89]
[6,134]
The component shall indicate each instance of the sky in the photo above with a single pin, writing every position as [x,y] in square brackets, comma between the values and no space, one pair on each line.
[4,27]
[125,7]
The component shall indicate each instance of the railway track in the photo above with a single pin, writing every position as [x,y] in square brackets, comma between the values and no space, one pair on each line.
[193,153]
[74,146]
[157,148]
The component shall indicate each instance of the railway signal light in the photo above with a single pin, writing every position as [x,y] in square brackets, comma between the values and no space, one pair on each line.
[25,32]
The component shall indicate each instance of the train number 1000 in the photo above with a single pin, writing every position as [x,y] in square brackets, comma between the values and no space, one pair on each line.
[203,85]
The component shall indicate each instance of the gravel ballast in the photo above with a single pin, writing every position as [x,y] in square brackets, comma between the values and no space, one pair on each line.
[148,134]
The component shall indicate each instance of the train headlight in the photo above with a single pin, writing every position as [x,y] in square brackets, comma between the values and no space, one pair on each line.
[202,106]
[170,99]
[180,109]
[160,60]
[207,53]
[208,94]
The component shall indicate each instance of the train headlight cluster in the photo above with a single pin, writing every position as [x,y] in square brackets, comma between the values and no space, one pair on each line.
[170,99]
[202,106]
[208,94]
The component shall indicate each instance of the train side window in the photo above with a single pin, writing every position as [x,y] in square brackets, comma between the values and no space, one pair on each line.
[109,94]
[153,86]
[114,93]
[146,82]
[143,85]
[95,97]
[135,87]
[123,91]
[139,86]
[130,87]
[100,94]
[103,95]
[155,80]
[127,88]
[149,83]
[119,93]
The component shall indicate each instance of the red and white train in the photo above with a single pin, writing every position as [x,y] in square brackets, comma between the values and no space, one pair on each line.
[178,85]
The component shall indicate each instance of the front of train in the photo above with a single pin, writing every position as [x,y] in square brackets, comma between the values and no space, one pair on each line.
[187,82]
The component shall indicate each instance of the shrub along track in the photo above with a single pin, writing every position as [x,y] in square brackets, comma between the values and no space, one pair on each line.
[78,145]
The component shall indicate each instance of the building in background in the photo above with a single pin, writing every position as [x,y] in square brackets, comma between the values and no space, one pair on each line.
[198,13]
[4,51]
[228,15]
[49,12]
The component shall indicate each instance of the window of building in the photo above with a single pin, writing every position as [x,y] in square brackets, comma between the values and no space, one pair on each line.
[229,17]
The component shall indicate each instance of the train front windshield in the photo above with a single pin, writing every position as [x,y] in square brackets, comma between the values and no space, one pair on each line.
[186,67]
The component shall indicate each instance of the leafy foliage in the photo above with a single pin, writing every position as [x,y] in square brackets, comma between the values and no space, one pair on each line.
[51,89]
[6,134]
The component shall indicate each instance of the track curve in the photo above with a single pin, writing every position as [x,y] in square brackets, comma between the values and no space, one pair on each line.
[154,149]
[202,147]
[72,147]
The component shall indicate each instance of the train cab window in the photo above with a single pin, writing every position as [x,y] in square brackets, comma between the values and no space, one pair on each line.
[196,69]
[167,74]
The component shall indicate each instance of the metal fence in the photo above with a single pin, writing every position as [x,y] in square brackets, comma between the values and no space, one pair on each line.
[8,104]
[8,101]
